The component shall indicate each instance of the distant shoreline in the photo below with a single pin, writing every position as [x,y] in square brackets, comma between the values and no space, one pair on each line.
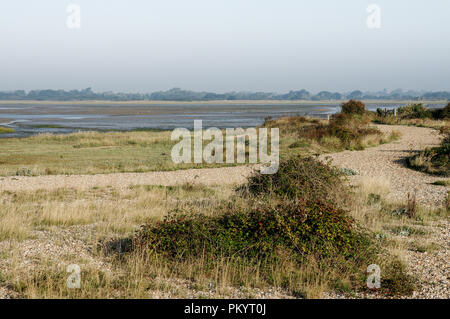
[215,102]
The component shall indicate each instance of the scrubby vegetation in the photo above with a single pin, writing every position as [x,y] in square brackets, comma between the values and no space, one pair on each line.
[298,228]
[349,130]
[4,130]
[300,177]
[353,107]
[291,217]
[442,183]
[142,151]
[415,114]
[431,160]
[434,160]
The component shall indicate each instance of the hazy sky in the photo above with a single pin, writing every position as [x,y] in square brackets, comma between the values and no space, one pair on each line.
[224,45]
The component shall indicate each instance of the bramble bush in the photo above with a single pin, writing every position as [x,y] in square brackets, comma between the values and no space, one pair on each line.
[294,210]
[300,227]
[300,177]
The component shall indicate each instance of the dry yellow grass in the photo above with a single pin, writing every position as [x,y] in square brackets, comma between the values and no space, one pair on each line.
[44,231]
[375,212]
[110,210]
[48,230]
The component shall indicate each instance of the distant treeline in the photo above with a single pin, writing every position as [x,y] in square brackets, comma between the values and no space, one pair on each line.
[177,94]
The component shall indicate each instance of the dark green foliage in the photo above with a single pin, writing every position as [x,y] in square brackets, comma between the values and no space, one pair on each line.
[300,177]
[297,213]
[305,222]
[353,107]
[443,113]
[298,144]
[414,111]
[301,227]
[442,183]
[395,281]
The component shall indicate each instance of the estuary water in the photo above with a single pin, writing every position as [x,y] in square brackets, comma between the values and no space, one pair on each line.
[30,118]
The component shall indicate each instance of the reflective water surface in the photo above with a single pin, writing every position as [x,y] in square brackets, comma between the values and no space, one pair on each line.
[34,118]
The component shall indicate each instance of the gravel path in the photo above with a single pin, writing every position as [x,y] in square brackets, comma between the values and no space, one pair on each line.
[431,268]
[386,162]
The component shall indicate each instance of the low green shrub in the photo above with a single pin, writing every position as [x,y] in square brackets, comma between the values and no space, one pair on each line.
[345,130]
[350,127]
[434,160]
[412,112]
[5,130]
[300,227]
[442,183]
[353,107]
[348,171]
[300,178]
[440,114]
[395,281]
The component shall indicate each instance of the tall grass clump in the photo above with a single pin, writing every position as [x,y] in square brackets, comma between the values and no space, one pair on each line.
[434,160]
[5,130]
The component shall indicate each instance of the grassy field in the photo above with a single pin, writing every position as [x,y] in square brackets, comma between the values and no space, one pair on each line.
[87,153]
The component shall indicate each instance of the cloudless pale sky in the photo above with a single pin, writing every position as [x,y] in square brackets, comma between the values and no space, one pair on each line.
[225,45]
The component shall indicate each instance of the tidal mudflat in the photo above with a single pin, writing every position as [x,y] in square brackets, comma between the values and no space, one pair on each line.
[34,117]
